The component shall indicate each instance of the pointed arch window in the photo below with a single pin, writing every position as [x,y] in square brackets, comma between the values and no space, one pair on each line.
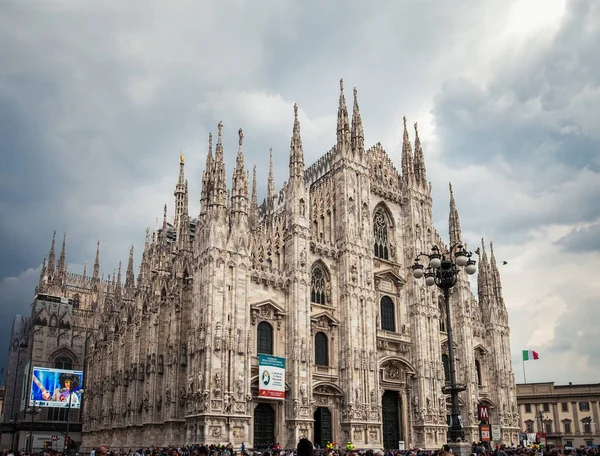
[446,363]
[321,349]
[443,316]
[478,370]
[63,362]
[264,338]
[318,286]
[380,235]
[388,314]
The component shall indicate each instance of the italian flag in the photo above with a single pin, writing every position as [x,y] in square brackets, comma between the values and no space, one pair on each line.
[529,355]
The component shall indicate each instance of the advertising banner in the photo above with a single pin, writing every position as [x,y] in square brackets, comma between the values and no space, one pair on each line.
[271,377]
[55,387]
[484,432]
[496,433]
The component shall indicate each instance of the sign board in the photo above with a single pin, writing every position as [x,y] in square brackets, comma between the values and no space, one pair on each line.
[496,433]
[401,445]
[484,432]
[271,377]
[55,387]
[484,413]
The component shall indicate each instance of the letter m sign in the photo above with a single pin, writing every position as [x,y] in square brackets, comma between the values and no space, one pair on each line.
[484,413]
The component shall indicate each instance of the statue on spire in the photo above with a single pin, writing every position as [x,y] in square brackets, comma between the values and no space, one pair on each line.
[181,158]
[241,135]
[220,128]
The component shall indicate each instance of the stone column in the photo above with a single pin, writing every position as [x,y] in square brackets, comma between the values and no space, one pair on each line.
[404,411]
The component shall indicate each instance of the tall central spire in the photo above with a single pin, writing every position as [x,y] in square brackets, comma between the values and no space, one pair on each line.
[180,195]
[239,188]
[296,152]
[454,221]
[343,124]
[408,171]
[357,134]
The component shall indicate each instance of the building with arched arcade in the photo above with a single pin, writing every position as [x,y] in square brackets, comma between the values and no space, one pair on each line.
[319,274]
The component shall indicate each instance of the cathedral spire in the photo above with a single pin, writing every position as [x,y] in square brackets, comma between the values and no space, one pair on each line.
[118,286]
[206,176]
[61,272]
[254,202]
[217,190]
[96,273]
[84,269]
[165,227]
[482,275]
[407,157]
[270,182]
[495,275]
[239,187]
[419,161]
[143,275]
[296,152]
[180,194]
[454,221]
[52,257]
[129,277]
[357,134]
[343,124]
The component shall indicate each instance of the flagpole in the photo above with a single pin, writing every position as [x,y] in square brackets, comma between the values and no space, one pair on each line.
[524,376]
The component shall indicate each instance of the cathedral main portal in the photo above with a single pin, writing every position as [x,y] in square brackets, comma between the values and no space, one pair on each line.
[264,425]
[323,432]
[390,406]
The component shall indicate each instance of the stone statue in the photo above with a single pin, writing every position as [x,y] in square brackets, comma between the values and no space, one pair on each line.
[240,384]
[303,393]
[373,397]
[358,393]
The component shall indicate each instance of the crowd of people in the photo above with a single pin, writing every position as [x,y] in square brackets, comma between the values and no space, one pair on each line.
[306,448]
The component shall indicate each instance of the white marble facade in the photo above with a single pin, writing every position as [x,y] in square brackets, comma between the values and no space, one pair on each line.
[321,271]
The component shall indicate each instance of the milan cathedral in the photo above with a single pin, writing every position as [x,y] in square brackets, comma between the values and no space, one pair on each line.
[319,274]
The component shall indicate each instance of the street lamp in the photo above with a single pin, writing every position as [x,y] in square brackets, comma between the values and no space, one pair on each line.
[442,270]
[19,348]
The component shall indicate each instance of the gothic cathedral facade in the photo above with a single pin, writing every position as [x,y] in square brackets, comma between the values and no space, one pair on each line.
[318,274]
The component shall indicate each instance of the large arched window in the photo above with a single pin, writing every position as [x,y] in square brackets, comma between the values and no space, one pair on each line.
[388,314]
[63,362]
[321,349]
[446,363]
[264,338]
[478,370]
[318,290]
[380,235]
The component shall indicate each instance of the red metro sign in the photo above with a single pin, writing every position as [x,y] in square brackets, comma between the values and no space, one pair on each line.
[484,413]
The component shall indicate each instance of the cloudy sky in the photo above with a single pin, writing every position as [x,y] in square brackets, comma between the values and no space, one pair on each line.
[97,99]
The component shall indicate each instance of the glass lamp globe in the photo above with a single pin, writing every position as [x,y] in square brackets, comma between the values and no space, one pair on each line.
[470,268]
[435,261]
[417,271]
[430,280]
[461,259]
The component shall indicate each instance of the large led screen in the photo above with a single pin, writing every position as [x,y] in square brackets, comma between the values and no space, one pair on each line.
[56,387]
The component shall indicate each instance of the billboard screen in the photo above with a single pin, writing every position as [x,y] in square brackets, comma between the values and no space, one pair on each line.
[55,387]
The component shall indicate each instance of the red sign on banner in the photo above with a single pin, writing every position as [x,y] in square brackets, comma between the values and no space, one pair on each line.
[484,413]
[484,431]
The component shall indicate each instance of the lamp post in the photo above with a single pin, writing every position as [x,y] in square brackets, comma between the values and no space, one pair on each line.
[19,347]
[442,270]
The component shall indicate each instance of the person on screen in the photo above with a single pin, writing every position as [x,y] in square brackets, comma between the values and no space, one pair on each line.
[68,384]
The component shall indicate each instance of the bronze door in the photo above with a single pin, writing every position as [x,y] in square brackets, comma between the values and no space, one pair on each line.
[391,420]
[264,425]
[323,432]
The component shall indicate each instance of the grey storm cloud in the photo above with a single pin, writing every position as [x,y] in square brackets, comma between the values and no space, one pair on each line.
[97,100]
